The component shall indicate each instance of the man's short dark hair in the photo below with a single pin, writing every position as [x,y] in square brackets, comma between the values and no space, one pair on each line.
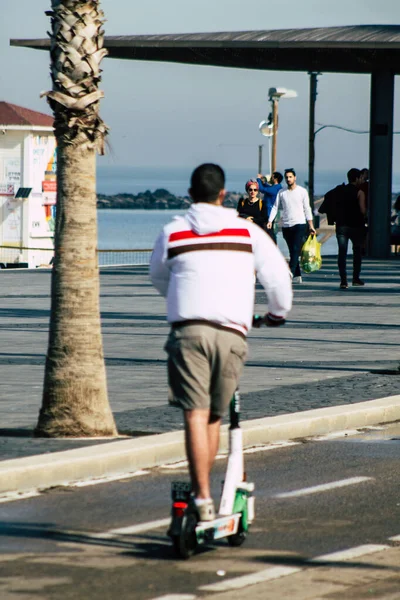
[206,182]
[290,171]
[353,175]
[278,176]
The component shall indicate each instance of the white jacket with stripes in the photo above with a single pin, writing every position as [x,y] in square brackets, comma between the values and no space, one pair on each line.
[204,264]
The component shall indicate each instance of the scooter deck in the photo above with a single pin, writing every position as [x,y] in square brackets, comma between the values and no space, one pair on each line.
[221,527]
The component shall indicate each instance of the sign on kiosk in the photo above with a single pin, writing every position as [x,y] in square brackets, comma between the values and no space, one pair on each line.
[49,186]
[49,192]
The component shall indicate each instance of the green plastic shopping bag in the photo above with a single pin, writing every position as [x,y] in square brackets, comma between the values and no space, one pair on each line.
[310,258]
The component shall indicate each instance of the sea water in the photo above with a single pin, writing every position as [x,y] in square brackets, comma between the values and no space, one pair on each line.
[125,229]
[121,229]
[132,180]
[113,179]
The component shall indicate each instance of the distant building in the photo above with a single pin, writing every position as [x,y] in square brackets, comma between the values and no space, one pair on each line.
[28,185]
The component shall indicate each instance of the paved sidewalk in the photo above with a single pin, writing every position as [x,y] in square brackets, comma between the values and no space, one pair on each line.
[328,354]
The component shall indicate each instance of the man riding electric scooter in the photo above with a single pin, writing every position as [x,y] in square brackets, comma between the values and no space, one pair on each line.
[204,264]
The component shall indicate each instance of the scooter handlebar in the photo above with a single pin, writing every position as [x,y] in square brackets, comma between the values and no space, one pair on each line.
[269,320]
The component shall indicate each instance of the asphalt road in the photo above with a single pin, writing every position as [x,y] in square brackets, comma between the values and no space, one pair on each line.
[63,544]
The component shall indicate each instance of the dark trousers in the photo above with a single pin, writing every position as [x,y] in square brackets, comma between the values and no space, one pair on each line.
[294,237]
[357,236]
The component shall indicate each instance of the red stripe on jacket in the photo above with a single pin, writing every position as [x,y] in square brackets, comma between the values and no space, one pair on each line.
[185,235]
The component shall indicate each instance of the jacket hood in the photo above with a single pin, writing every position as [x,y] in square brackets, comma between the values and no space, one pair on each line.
[206,218]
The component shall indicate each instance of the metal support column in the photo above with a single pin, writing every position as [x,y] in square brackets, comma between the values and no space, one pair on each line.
[260,151]
[311,135]
[275,133]
[380,160]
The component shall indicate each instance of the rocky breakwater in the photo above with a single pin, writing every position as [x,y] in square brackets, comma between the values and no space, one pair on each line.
[159,200]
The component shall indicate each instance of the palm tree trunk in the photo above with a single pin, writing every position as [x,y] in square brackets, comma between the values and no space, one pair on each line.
[75,401]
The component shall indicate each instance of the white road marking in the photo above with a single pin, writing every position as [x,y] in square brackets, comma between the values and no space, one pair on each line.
[395,538]
[176,597]
[350,553]
[245,580]
[13,496]
[111,438]
[345,433]
[316,489]
[141,528]
[276,572]
[270,447]
[109,479]
[177,465]
[333,435]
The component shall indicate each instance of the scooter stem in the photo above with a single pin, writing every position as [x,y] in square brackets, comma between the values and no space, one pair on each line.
[234,410]
[234,471]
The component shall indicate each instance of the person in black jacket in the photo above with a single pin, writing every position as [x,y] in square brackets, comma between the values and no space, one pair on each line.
[350,212]
[253,208]
[328,206]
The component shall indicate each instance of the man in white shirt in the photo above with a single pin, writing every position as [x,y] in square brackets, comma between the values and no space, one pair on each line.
[203,263]
[296,213]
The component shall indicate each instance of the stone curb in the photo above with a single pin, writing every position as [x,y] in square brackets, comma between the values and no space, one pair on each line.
[127,456]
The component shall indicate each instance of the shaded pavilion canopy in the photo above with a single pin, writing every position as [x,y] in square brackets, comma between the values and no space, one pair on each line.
[348,49]
[368,49]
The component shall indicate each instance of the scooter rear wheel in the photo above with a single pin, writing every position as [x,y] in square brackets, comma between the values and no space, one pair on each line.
[185,544]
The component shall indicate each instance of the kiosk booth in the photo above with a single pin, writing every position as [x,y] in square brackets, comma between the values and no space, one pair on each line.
[28,187]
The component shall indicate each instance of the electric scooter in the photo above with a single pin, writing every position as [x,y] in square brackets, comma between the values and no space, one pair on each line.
[236,509]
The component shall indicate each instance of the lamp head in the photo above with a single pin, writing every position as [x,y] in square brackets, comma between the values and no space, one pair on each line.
[266,128]
[278,93]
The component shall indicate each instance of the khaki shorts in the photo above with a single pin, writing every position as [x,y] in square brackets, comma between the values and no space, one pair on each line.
[204,366]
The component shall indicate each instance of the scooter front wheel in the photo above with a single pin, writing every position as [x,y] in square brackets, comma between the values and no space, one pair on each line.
[185,544]
[238,538]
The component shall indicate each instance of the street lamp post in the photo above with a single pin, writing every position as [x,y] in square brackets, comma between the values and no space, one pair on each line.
[265,128]
[270,128]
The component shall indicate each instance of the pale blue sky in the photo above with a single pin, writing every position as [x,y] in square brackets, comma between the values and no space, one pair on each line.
[177,115]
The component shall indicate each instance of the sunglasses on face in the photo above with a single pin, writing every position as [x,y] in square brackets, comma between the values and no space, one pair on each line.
[253,190]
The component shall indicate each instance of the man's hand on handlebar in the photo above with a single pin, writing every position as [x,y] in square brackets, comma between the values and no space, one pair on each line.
[269,320]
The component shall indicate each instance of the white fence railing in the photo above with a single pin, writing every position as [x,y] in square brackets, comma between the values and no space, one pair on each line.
[12,256]
[124,257]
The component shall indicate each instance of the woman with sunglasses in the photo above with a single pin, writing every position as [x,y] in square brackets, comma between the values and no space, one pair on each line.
[253,208]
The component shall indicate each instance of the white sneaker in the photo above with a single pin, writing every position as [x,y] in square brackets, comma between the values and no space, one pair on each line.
[297,279]
[205,509]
